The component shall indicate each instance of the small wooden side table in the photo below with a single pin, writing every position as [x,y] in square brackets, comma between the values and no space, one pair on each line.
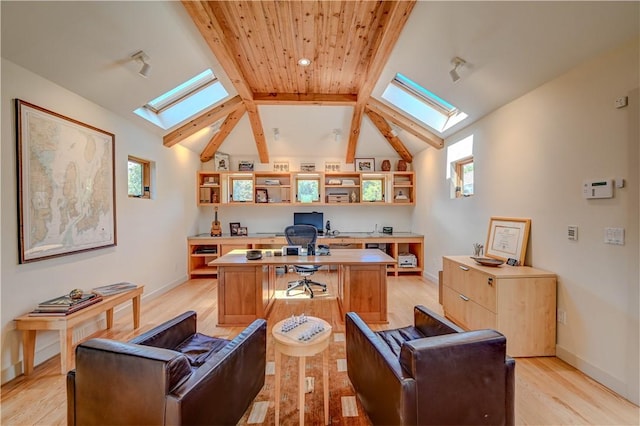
[64,324]
[287,343]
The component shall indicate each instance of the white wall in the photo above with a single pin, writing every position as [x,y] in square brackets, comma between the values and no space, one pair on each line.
[530,159]
[151,234]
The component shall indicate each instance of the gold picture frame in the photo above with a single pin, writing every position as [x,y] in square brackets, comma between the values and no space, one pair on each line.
[507,238]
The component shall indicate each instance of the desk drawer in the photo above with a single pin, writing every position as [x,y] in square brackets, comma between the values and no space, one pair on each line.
[474,284]
[466,312]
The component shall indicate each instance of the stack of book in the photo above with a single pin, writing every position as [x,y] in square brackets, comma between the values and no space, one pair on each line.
[108,290]
[65,305]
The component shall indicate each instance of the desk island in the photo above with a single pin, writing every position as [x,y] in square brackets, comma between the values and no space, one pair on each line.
[246,288]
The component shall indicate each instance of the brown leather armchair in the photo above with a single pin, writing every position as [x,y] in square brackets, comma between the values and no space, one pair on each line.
[170,375]
[431,373]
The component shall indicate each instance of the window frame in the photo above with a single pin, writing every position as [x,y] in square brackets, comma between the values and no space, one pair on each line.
[459,171]
[146,176]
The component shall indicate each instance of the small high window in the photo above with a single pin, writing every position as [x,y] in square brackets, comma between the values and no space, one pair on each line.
[139,177]
[372,188]
[461,167]
[422,104]
[308,188]
[184,101]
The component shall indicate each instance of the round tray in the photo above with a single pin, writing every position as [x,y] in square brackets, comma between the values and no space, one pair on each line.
[487,261]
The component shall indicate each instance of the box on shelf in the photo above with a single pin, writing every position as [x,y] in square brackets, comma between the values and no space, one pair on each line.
[338,198]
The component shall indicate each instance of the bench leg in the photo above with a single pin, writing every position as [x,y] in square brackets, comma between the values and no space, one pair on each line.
[28,350]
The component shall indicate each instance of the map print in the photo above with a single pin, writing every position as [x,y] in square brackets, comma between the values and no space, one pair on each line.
[66,185]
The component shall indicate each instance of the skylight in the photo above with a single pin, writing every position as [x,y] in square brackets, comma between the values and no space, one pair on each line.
[422,104]
[184,101]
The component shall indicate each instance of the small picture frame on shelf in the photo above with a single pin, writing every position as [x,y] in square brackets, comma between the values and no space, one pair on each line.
[332,166]
[233,228]
[307,167]
[221,161]
[365,164]
[262,196]
[245,166]
[242,231]
[280,166]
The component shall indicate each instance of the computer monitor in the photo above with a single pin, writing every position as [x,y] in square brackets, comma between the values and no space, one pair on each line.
[310,218]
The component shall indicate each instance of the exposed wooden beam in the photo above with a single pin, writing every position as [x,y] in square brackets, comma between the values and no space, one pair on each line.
[258,132]
[209,27]
[303,99]
[390,136]
[202,121]
[226,128]
[397,17]
[405,123]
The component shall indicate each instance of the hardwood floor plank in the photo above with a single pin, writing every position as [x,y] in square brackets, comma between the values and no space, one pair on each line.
[548,391]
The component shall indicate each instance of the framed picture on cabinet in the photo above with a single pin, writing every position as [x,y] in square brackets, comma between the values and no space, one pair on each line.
[243,231]
[365,164]
[280,166]
[233,228]
[507,238]
[332,166]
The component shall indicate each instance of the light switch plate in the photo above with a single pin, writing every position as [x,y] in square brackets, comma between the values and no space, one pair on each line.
[614,236]
[572,233]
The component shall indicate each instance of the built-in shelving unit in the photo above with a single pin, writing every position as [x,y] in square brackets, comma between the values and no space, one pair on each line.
[305,188]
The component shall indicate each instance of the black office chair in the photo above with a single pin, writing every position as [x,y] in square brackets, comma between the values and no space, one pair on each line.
[304,236]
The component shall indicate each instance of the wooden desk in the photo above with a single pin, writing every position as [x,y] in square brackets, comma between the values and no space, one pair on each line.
[246,288]
[64,324]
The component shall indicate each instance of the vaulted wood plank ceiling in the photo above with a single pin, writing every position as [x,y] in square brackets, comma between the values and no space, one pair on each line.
[259,43]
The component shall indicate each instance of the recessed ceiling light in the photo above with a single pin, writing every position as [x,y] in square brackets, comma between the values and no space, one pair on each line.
[304,62]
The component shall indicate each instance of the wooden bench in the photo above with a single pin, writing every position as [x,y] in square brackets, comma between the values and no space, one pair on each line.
[29,325]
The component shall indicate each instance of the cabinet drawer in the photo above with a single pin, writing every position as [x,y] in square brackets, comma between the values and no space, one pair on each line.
[476,285]
[466,312]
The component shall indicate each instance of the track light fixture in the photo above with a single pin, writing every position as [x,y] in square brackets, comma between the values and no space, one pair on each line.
[457,63]
[336,135]
[142,58]
[276,133]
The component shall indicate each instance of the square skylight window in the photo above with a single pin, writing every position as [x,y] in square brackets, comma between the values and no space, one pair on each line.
[422,104]
[184,101]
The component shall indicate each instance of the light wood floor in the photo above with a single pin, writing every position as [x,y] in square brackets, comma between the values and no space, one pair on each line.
[548,391]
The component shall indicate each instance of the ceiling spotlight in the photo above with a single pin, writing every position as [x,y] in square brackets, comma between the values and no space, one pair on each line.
[457,63]
[304,62]
[276,133]
[142,58]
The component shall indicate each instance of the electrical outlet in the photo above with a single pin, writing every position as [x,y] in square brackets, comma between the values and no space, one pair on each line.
[562,316]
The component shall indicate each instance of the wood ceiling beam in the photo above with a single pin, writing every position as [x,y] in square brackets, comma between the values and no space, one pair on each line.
[211,30]
[405,123]
[304,99]
[390,135]
[202,121]
[397,17]
[229,123]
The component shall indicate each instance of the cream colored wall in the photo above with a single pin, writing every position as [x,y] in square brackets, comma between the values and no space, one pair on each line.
[151,233]
[530,159]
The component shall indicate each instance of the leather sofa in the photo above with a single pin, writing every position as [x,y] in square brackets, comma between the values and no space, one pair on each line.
[170,375]
[431,373]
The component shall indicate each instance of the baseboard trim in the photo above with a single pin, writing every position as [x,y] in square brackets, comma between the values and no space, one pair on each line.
[595,373]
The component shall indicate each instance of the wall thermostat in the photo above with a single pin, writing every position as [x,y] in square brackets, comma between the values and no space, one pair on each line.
[597,188]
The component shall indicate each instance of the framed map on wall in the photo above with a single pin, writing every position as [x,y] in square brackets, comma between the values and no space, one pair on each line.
[66,182]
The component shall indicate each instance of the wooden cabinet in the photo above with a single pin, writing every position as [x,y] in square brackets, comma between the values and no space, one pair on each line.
[518,301]
[202,249]
[305,188]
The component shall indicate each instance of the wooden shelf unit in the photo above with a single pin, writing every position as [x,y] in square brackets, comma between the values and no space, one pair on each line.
[334,188]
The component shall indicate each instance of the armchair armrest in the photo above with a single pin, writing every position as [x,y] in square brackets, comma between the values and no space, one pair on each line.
[431,324]
[389,395]
[221,389]
[122,383]
[443,366]
[169,334]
